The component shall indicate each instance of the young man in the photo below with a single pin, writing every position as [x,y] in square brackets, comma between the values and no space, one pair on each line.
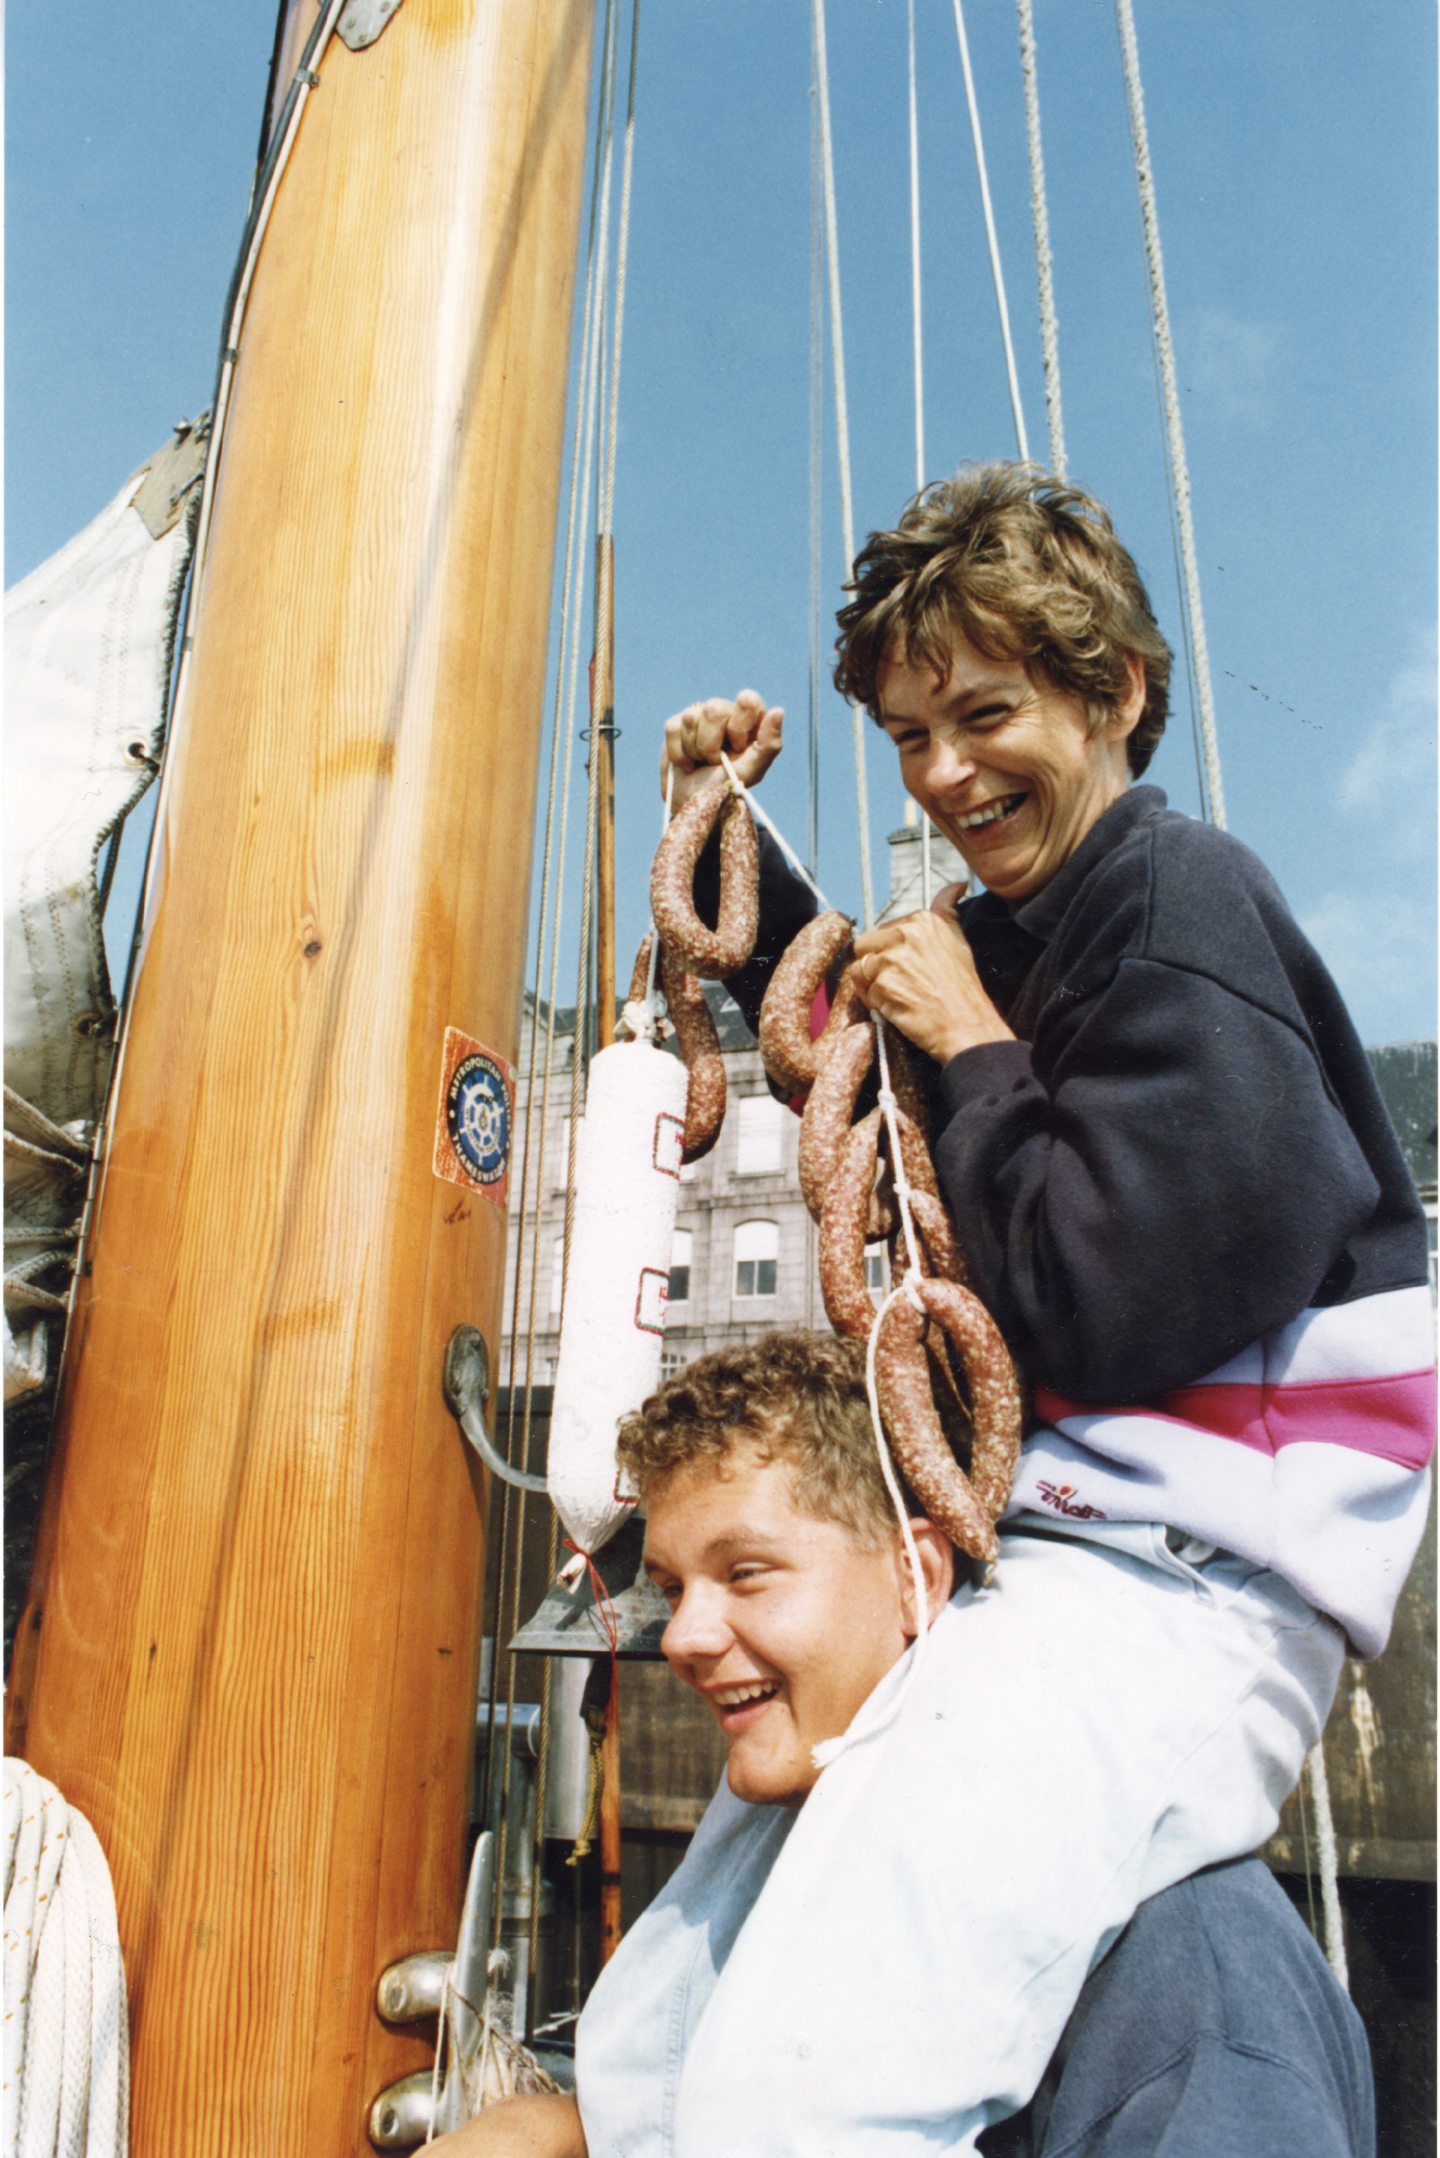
[802,1984]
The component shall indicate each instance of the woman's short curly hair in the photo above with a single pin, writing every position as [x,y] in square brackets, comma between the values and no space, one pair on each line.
[796,1397]
[1027,568]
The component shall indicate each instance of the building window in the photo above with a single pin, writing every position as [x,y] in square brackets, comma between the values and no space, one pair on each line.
[679,1290]
[671,1361]
[877,1270]
[757,1254]
[557,1277]
[557,1153]
[761,1123]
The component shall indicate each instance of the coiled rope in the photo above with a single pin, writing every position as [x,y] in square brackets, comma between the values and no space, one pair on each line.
[67,2028]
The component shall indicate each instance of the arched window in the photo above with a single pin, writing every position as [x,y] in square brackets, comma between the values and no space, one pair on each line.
[679,1290]
[762,1120]
[757,1254]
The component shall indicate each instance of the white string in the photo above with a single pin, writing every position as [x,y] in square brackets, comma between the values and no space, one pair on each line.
[739,787]
[842,428]
[830,1749]
[915,298]
[992,239]
[1174,428]
[1044,261]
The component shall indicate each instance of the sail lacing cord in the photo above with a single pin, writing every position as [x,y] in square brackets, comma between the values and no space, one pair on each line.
[67,2032]
[991,237]
[1174,429]
[1044,260]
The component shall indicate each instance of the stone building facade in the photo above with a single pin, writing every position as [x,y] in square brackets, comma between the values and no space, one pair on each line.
[744,1261]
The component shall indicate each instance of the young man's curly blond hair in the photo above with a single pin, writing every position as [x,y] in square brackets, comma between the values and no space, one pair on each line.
[796,1397]
[1027,568]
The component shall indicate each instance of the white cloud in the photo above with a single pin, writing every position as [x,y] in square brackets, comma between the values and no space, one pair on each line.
[1228,363]
[1381,951]
[1392,774]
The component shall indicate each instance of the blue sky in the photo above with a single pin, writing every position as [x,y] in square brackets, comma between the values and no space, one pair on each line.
[1295,156]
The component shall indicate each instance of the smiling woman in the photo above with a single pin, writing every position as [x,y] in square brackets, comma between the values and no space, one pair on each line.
[1178,1193]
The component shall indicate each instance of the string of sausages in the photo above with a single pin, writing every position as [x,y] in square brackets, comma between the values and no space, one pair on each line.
[944,1379]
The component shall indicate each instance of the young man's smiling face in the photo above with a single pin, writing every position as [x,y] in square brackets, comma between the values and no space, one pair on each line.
[782,1622]
[1006,765]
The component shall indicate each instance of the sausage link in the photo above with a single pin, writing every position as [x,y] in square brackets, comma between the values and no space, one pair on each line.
[826,1121]
[907,1078]
[907,1406]
[847,1006]
[848,1304]
[996,1413]
[699,1045]
[786,1049]
[718,952]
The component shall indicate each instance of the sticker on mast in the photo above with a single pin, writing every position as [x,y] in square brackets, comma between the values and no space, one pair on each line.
[475,1119]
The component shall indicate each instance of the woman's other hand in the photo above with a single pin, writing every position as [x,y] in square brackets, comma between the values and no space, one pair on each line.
[744,728]
[919,973]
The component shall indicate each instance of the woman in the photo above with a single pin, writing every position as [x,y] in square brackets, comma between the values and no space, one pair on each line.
[1178,1192]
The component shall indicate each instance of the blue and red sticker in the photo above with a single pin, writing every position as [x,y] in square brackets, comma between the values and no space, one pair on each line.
[476,1118]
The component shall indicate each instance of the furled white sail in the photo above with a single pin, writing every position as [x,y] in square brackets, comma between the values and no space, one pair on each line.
[88,639]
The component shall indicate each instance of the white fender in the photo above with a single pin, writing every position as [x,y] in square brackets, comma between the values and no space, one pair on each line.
[627,1186]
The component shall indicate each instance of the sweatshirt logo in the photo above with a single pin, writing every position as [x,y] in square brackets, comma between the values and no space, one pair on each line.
[1061,1497]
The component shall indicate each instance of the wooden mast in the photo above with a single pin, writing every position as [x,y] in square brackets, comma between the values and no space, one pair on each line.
[251,1647]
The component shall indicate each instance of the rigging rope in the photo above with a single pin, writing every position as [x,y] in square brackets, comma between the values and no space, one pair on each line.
[1044,261]
[566,684]
[992,239]
[1329,1864]
[842,429]
[1174,429]
[816,475]
[915,306]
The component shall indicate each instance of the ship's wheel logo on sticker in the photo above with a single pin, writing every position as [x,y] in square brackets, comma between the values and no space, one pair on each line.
[477,1111]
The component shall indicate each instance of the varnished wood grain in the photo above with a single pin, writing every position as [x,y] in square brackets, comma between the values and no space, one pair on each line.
[251,1650]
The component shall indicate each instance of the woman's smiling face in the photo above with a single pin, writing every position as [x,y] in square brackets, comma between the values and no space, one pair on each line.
[782,1622]
[1006,765]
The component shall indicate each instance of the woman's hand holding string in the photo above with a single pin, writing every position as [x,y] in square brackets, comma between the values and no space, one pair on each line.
[745,729]
[919,973]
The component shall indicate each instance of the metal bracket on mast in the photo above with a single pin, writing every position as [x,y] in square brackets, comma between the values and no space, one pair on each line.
[467,1390]
[406,2113]
[362,21]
